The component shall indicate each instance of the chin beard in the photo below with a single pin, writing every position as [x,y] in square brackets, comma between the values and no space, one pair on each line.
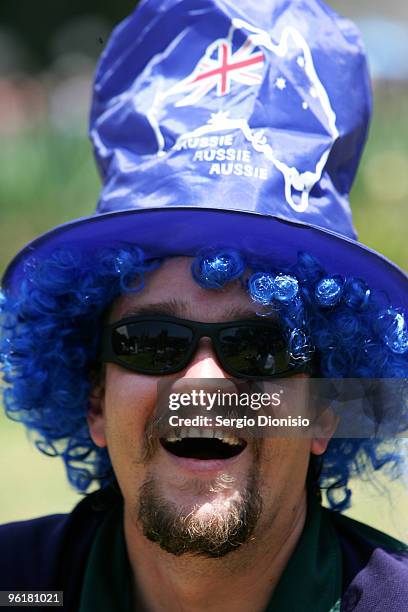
[180,533]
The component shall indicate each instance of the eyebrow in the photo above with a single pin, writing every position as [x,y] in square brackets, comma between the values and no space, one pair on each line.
[182,309]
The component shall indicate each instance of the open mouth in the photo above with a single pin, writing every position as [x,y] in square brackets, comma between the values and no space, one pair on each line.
[204,444]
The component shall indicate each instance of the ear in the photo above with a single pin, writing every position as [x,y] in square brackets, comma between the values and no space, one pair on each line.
[96,414]
[323,430]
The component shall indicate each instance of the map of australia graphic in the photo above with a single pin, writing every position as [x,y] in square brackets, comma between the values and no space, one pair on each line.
[225,92]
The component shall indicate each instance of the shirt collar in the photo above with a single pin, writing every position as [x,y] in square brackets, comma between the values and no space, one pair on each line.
[312,577]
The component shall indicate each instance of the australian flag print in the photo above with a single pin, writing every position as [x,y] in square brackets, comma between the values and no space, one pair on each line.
[237,104]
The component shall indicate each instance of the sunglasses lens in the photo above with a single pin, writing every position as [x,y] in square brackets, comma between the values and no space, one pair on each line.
[254,351]
[158,347]
[152,346]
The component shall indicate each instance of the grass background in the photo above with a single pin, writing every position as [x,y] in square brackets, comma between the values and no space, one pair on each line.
[47,177]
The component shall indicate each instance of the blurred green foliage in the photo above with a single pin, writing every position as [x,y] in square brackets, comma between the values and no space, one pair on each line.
[380,194]
[48,177]
[37,22]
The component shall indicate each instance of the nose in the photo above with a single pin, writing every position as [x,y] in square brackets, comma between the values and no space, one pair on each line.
[204,363]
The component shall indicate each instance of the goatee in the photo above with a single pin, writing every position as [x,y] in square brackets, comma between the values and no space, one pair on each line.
[181,532]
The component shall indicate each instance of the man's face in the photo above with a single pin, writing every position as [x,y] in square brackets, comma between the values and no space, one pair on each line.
[192,505]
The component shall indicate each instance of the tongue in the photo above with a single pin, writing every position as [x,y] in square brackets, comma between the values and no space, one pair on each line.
[202,448]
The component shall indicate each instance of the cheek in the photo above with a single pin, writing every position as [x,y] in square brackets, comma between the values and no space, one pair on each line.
[284,467]
[129,401]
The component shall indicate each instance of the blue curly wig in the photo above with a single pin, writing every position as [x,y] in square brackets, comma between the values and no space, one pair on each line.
[50,336]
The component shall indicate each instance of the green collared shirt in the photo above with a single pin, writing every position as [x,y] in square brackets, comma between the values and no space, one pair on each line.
[311,581]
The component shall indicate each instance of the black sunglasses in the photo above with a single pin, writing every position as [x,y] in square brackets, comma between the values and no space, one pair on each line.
[165,345]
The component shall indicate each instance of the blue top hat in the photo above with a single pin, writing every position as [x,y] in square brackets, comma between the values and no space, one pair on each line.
[233,124]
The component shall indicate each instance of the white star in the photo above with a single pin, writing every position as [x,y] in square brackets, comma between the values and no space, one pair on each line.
[217,119]
[305,106]
[280,83]
[301,61]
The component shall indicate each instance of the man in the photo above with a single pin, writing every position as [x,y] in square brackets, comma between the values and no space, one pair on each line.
[227,138]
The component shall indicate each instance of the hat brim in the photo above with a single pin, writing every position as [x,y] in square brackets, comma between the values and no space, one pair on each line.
[167,232]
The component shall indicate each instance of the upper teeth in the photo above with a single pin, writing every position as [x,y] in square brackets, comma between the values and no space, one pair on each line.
[193,432]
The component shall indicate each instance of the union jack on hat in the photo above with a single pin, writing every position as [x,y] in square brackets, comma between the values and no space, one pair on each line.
[227,123]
